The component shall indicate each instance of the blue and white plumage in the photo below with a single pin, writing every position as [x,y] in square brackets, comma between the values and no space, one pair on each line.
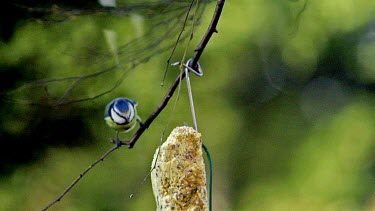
[121,114]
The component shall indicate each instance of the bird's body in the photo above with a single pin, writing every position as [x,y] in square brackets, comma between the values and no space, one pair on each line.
[121,114]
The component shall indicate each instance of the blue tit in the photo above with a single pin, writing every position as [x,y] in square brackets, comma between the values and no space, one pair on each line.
[121,115]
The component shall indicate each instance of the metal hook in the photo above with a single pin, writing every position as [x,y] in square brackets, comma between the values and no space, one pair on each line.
[190,92]
[198,72]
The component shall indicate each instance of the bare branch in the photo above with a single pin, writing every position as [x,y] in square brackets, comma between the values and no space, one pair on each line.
[211,29]
[198,52]
[80,177]
[161,27]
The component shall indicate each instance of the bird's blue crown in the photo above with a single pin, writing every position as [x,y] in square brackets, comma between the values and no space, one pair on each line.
[122,105]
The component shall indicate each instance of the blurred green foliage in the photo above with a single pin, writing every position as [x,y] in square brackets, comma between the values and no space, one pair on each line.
[286,108]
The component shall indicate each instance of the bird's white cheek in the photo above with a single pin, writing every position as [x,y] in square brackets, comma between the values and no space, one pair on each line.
[116,118]
[131,112]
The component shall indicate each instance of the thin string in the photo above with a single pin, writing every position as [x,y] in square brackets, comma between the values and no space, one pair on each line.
[160,143]
[191,101]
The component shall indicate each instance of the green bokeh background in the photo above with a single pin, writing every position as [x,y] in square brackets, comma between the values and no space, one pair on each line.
[286,108]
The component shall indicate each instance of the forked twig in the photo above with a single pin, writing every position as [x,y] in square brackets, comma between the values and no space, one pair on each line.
[198,52]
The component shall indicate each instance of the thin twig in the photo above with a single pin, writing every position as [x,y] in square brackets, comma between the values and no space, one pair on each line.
[178,40]
[198,52]
[80,176]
